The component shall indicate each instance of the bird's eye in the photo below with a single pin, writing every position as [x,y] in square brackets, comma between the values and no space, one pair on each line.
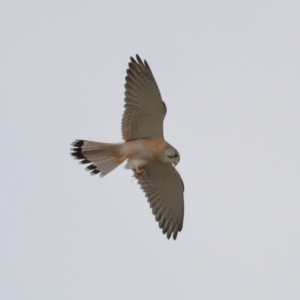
[173,155]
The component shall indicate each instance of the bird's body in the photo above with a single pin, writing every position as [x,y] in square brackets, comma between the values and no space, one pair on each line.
[141,152]
[144,149]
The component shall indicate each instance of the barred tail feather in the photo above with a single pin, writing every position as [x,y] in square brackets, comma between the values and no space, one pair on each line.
[102,157]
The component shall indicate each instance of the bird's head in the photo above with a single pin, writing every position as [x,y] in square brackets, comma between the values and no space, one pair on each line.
[171,155]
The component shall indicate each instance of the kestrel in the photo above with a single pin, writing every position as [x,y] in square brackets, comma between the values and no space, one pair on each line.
[147,153]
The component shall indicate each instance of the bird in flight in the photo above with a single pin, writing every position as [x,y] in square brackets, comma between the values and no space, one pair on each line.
[147,153]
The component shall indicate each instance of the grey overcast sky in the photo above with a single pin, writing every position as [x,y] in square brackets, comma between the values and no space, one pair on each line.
[229,72]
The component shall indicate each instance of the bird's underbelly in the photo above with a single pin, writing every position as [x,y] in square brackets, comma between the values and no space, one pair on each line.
[135,163]
[142,152]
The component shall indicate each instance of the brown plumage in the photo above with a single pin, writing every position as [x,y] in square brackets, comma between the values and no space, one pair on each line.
[147,153]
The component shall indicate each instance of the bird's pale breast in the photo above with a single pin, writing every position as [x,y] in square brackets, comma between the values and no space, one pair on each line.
[143,151]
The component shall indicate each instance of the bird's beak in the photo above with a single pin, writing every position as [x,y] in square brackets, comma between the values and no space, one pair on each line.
[176,161]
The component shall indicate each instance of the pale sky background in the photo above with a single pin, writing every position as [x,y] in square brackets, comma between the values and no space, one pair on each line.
[229,72]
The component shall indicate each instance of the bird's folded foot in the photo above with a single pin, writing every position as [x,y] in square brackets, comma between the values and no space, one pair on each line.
[138,174]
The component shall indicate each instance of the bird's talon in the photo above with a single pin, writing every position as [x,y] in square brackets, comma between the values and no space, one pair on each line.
[138,174]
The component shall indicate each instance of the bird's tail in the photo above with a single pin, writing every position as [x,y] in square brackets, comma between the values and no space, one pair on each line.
[102,157]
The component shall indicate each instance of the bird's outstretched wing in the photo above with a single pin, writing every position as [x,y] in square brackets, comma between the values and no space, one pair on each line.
[144,109]
[164,188]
